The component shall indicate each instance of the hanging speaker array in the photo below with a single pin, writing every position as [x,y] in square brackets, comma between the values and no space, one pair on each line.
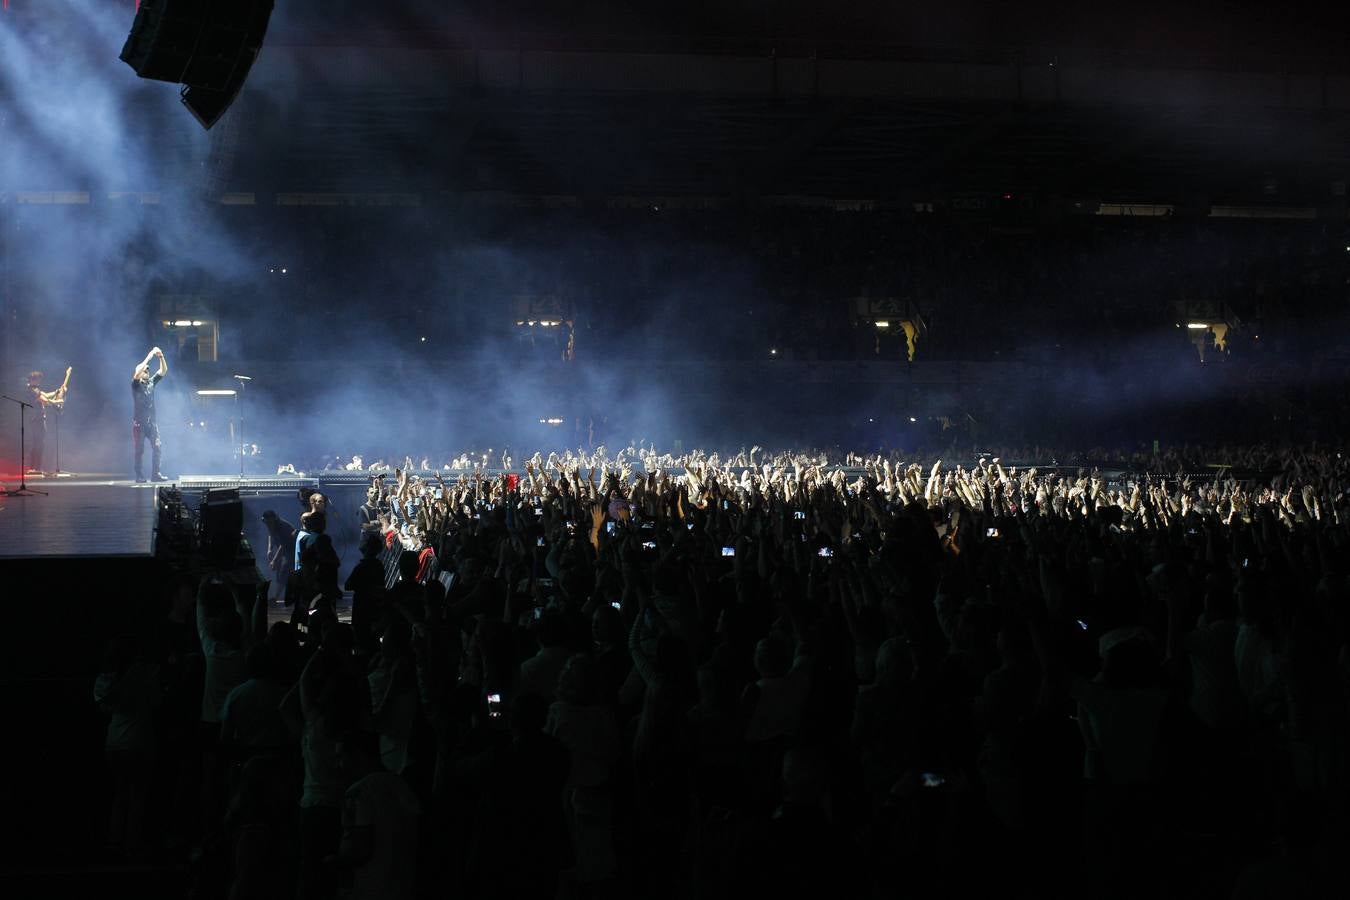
[207,46]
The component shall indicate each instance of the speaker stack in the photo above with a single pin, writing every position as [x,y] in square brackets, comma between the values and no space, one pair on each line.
[208,46]
[221,518]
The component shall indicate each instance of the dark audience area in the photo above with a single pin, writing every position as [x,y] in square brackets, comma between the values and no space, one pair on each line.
[778,681]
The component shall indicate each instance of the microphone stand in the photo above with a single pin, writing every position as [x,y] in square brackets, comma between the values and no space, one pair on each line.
[23,490]
[239,412]
[56,420]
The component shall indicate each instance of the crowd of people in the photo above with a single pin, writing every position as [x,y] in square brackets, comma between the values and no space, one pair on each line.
[1181,459]
[689,675]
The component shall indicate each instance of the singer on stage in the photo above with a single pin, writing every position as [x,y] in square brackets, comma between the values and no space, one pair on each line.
[143,425]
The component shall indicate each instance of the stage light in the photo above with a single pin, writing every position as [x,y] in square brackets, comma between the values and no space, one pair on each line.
[883,324]
[424,339]
[182,323]
[912,419]
[1197,326]
[283,271]
[216,392]
[196,323]
[773,351]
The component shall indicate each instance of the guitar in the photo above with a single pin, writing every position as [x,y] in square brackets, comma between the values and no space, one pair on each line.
[57,397]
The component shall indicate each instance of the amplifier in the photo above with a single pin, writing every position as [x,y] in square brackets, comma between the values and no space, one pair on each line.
[221,520]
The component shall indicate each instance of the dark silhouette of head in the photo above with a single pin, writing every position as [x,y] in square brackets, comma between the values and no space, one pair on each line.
[229,629]
[397,638]
[607,625]
[529,712]
[773,657]
[552,629]
[576,682]
[358,754]
[408,565]
[672,656]
[258,662]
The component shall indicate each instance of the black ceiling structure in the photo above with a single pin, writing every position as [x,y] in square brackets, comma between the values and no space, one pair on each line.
[391,138]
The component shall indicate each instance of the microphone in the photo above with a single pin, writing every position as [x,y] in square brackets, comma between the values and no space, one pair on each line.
[242,377]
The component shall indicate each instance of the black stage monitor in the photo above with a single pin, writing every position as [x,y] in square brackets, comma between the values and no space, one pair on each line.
[208,46]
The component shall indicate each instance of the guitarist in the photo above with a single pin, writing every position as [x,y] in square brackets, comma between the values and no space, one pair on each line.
[41,401]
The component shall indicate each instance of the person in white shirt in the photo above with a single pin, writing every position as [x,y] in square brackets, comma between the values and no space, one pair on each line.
[251,720]
[539,674]
[221,632]
[393,695]
[128,691]
[379,824]
[1216,695]
[586,726]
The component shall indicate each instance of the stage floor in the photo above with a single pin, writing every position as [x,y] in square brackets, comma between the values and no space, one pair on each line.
[105,515]
[78,516]
[113,516]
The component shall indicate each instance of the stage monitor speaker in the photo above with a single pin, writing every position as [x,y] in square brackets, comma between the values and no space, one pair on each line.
[222,523]
[206,45]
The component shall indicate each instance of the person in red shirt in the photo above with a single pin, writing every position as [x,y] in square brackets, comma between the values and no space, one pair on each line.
[426,556]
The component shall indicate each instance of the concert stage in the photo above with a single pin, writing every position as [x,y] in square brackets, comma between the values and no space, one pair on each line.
[110,517]
[78,517]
